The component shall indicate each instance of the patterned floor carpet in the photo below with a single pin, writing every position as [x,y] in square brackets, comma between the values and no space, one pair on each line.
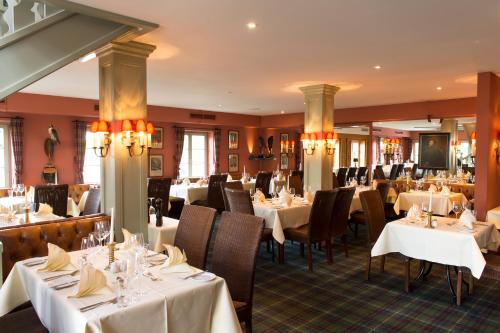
[335,298]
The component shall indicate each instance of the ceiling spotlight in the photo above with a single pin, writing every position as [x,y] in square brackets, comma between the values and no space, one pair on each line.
[88,57]
[377,67]
[282,111]
[220,105]
[251,25]
[439,88]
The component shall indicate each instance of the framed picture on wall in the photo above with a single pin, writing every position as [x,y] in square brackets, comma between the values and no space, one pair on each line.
[157,138]
[434,151]
[233,162]
[233,139]
[284,162]
[156,165]
[283,137]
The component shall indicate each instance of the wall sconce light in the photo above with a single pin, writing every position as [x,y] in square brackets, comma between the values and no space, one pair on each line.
[331,139]
[391,146]
[497,148]
[136,134]
[473,138]
[287,147]
[101,140]
[309,142]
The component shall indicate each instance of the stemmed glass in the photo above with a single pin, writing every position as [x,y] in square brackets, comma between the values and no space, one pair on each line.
[252,192]
[457,208]
[21,189]
[102,231]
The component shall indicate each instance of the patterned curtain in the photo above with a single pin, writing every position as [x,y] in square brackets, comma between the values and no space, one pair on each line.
[217,136]
[17,137]
[377,150]
[179,146]
[298,150]
[80,149]
[406,144]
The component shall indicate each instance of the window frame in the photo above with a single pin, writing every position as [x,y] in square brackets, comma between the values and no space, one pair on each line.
[8,154]
[190,134]
[89,150]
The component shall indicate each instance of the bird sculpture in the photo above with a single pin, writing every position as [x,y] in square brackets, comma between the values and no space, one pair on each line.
[270,141]
[51,142]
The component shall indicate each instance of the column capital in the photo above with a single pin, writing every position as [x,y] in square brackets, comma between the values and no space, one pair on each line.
[131,48]
[319,89]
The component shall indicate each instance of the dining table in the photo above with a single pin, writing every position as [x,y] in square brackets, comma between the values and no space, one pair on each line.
[493,216]
[189,192]
[164,234]
[169,301]
[442,204]
[450,243]
[7,221]
[18,203]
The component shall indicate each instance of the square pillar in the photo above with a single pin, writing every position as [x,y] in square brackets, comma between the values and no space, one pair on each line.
[122,95]
[318,167]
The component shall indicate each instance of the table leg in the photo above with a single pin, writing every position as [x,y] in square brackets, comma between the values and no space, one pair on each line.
[459,286]
[281,253]
[450,284]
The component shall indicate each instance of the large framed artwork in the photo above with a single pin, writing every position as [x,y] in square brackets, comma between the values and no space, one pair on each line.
[284,162]
[434,151]
[233,139]
[157,138]
[233,162]
[156,165]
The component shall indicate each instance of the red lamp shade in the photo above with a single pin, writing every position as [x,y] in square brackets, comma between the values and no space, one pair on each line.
[473,135]
[150,128]
[335,136]
[103,127]
[94,126]
[140,126]
[312,136]
[303,136]
[329,136]
[127,126]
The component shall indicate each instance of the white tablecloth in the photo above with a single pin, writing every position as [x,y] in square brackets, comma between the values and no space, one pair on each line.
[441,204]
[279,218]
[171,305]
[20,219]
[18,203]
[189,193]
[274,183]
[157,236]
[447,245]
[493,216]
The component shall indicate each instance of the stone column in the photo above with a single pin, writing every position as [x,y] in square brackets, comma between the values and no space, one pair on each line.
[122,93]
[450,126]
[318,118]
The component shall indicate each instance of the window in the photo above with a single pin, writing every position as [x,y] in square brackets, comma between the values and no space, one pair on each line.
[91,164]
[414,152]
[358,152]
[194,161]
[336,157]
[4,156]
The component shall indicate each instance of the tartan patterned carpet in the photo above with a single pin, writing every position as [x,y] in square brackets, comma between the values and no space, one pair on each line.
[335,298]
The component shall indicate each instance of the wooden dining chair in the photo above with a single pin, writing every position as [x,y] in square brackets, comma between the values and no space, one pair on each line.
[240,202]
[394,172]
[160,188]
[22,321]
[263,181]
[400,170]
[378,173]
[234,257]
[341,176]
[373,206]
[299,173]
[318,228]
[93,202]
[214,197]
[335,181]
[54,195]
[237,185]
[340,215]
[351,173]
[362,172]
[194,232]
[296,183]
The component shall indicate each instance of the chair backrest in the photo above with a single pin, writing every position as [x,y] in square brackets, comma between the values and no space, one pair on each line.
[76,191]
[400,170]
[351,172]
[237,185]
[394,172]
[235,252]
[378,173]
[299,173]
[321,214]
[54,195]
[194,232]
[373,208]
[93,202]
[341,176]
[214,198]
[383,189]
[341,208]
[414,169]
[239,201]
[362,172]
[160,188]
[335,181]
[296,183]
[263,181]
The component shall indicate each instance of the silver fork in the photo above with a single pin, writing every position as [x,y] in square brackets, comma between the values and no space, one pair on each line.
[152,277]
[96,305]
[50,278]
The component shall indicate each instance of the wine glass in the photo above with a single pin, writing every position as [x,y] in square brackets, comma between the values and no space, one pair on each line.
[102,231]
[21,189]
[252,192]
[85,245]
[457,208]
[137,240]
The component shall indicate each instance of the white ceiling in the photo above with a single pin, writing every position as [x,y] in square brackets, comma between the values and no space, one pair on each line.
[207,57]
[420,125]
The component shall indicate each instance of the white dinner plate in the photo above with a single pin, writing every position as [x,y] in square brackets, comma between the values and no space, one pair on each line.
[204,277]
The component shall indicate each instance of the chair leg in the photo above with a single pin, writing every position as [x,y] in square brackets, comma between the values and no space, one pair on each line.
[459,286]
[302,249]
[382,264]
[368,266]
[272,250]
[407,274]
[471,284]
[281,253]
[248,325]
[346,249]
[309,257]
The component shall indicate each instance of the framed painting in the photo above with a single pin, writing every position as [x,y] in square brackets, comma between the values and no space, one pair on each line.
[233,139]
[233,163]
[284,162]
[284,137]
[434,151]
[157,138]
[156,165]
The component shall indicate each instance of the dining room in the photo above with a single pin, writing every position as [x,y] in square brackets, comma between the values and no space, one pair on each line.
[188,166]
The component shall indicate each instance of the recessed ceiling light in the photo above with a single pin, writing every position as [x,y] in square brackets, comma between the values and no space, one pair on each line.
[220,105]
[88,57]
[377,67]
[251,25]
[439,88]
[282,111]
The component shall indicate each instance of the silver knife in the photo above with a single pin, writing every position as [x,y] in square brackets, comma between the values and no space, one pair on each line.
[193,275]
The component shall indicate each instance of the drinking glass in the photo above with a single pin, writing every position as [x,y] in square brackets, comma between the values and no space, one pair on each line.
[84,247]
[10,192]
[21,189]
[292,191]
[137,240]
[252,192]
[102,231]
[122,297]
[457,208]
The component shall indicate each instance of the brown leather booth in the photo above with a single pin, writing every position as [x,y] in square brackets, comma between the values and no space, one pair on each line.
[28,241]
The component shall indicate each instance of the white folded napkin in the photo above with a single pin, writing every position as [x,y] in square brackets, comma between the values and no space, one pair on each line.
[186,181]
[414,212]
[467,219]
[126,239]
[57,260]
[244,180]
[229,178]
[259,197]
[175,256]
[445,190]
[308,196]
[200,182]
[92,281]
[354,183]
[44,209]
[31,194]
[433,188]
